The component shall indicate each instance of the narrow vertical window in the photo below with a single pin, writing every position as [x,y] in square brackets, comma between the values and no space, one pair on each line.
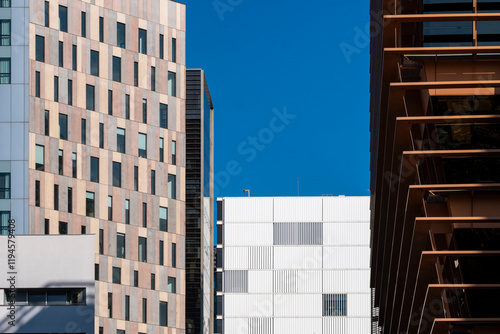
[94,63]
[120,140]
[127,211]
[47,226]
[101,135]
[142,47]
[127,307]
[144,310]
[37,193]
[172,87]
[120,35]
[73,164]
[70,92]
[61,54]
[117,69]
[153,78]
[63,228]
[56,197]
[5,69]
[94,169]
[117,275]
[110,208]
[153,182]
[47,123]
[163,115]
[174,149]
[171,186]
[37,84]
[144,111]
[174,50]
[120,245]
[163,313]
[40,48]
[63,126]
[174,255]
[161,149]
[136,178]
[171,287]
[153,281]
[117,174]
[110,102]
[61,163]
[47,14]
[161,251]
[70,200]
[40,157]
[101,29]
[163,219]
[84,131]
[90,103]
[84,24]
[90,204]
[127,106]
[101,241]
[144,214]
[136,278]
[161,46]
[96,277]
[74,58]
[136,74]
[110,305]
[4,185]
[63,18]
[142,145]
[142,249]
[56,88]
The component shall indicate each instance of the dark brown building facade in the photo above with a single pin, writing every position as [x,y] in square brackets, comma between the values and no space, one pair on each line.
[435,166]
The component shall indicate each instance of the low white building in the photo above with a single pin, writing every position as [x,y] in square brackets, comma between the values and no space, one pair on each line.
[293,265]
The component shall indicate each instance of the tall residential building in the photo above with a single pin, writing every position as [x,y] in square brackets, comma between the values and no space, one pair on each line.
[199,204]
[92,127]
[435,183]
[289,265]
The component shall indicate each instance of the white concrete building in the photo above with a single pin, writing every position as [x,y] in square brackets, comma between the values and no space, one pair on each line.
[293,265]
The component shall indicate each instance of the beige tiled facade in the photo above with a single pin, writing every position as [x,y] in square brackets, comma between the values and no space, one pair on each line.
[157,17]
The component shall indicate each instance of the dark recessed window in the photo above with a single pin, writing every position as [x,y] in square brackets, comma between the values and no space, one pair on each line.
[56,88]
[174,149]
[47,13]
[161,46]
[144,310]
[110,208]
[142,145]
[63,228]
[94,169]
[127,307]
[110,102]
[90,204]
[127,211]
[101,29]
[120,35]
[136,278]
[174,255]
[37,194]
[144,214]
[61,162]
[101,135]
[136,74]
[110,305]
[40,48]
[127,106]
[5,70]
[73,164]
[47,123]
[172,186]
[37,84]
[117,69]
[142,249]
[120,245]
[63,18]
[163,219]
[136,178]
[117,275]
[101,241]
[83,229]
[96,276]
[84,24]
[61,54]
[70,201]
[142,48]
[4,185]
[153,182]
[163,115]
[63,126]
[153,78]
[174,50]
[153,281]
[84,131]
[74,58]
[161,149]
[144,111]
[335,305]
[161,251]
[94,63]
[90,97]
[5,32]
[163,313]
[120,140]
[171,286]
[39,157]
[117,174]
[172,86]
[70,92]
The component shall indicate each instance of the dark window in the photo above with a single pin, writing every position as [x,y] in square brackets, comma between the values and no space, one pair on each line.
[101,241]
[144,310]
[127,106]
[70,92]
[163,313]
[174,255]
[174,150]
[219,326]
[136,74]
[110,305]
[56,88]
[163,115]
[94,63]
[120,245]
[172,186]
[70,200]
[143,35]
[117,275]
[142,250]
[161,46]
[127,211]
[127,307]
[120,35]
[110,208]
[136,278]
[39,157]
[142,145]
[84,131]
[90,97]
[63,18]
[4,3]
[144,111]
[56,197]
[218,281]
[94,169]
[110,102]
[74,57]
[153,78]
[63,228]
[161,251]
[4,185]
[172,84]
[161,149]
[61,54]
[218,258]
[117,69]
[101,135]
[90,204]
[37,193]
[61,162]
[335,305]
[171,287]
[47,13]
[63,126]
[153,281]
[84,24]
[174,50]
[37,84]
[83,229]
[47,123]
[101,29]
[117,174]
[153,182]
[136,178]
[73,162]
[120,140]
[219,233]
[144,214]
[5,70]
[163,219]
[96,276]
[40,48]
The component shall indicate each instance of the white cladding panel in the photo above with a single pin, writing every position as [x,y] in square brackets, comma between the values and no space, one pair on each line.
[359,305]
[298,257]
[296,305]
[248,234]
[298,209]
[297,281]
[249,325]
[346,257]
[245,305]
[248,209]
[260,257]
[235,258]
[346,325]
[298,325]
[345,209]
[345,281]
[260,281]
[352,233]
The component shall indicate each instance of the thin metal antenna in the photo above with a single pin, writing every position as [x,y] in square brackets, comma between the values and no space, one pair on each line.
[247,191]
[298,187]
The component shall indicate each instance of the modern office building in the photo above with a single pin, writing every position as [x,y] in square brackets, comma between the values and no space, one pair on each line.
[44,290]
[290,265]
[199,204]
[92,127]
[435,183]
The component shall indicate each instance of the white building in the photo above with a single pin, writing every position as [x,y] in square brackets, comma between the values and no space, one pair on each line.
[293,265]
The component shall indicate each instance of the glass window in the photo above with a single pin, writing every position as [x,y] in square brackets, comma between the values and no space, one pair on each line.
[144,310]
[163,219]
[63,126]
[101,135]
[172,89]
[40,48]
[161,149]
[37,84]
[120,140]
[117,69]
[153,281]
[61,54]
[4,222]
[61,163]
[4,185]
[4,3]
[144,214]
[84,24]
[56,88]
[56,197]
[163,115]
[63,18]
[110,208]
[73,162]
[63,228]
[90,204]
[174,50]
[127,211]
[142,41]
[171,285]
[163,313]
[37,297]
[335,305]
[90,97]
[5,70]
[117,275]
[4,32]
[120,245]
[142,145]
[84,131]
[127,106]
[142,254]
[171,186]
[144,111]
[70,92]
[74,58]
[174,255]
[136,278]
[136,178]
[94,169]
[70,201]
[47,13]
[94,63]
[37,193]
[101,241]
[96,273]
[153,78]
[117,174]
[101,29]
[120,35]
[39,157]
[127,307]
[110,102]
[153,182]
[136,74]
[161,46]
[174,149]
[47,123]
[110,307]
[161,251]
[56,297]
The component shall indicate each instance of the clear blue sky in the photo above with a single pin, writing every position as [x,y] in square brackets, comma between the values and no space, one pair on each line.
[290,86]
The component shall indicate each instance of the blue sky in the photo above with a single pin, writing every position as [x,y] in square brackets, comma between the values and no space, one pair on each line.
[290,86]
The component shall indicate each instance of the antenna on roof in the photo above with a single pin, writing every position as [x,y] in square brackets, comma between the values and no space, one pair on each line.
[298,187]
[248,191]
